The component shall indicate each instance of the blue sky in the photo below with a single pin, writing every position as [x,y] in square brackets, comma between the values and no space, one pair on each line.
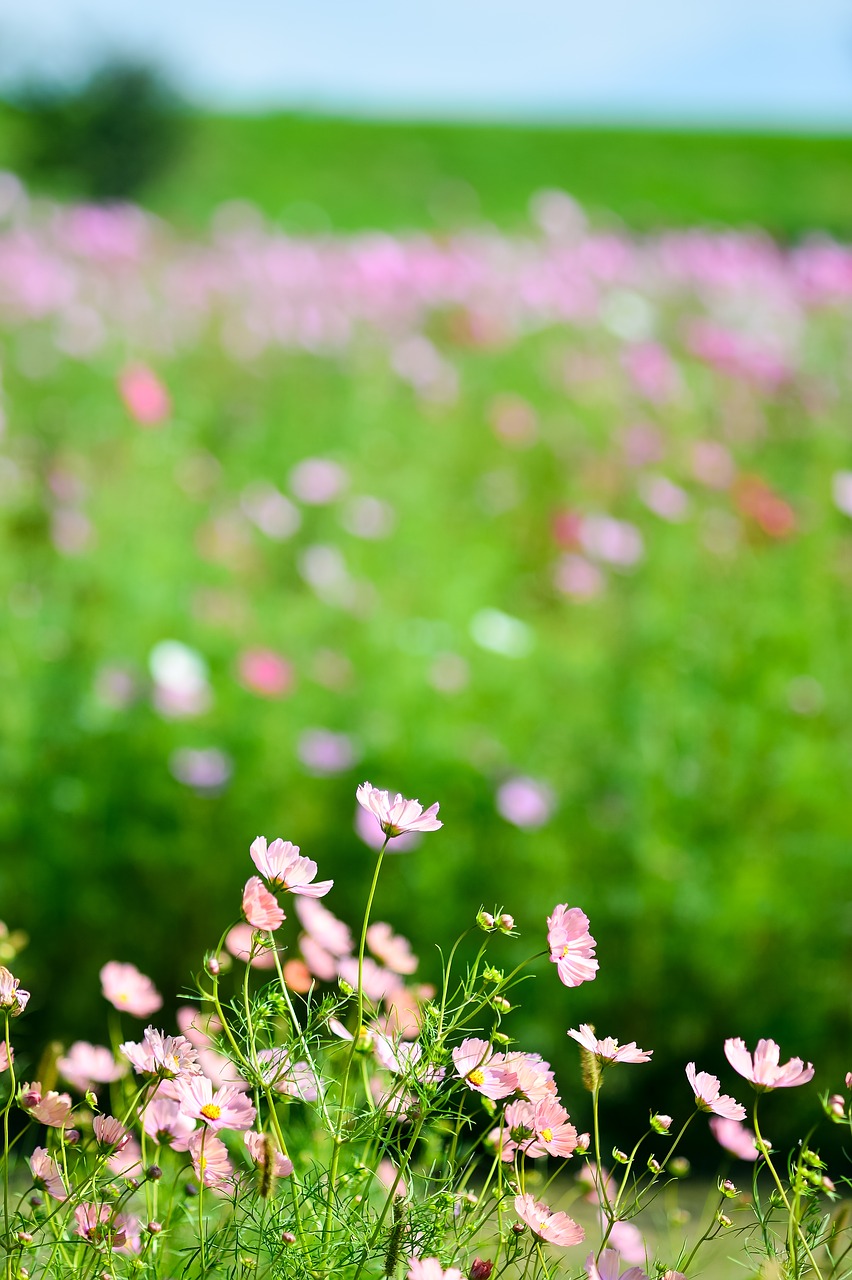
[770,62]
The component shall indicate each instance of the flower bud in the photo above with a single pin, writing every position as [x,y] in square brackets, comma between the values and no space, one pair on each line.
[485,920]
[287,1237]
[723,1220]
[91,1098]
[500,1037]
[36,1202]
[584,1141]
[518,1228]
[190,1189]
[849,1079]
[661,1123]
[619,1156]
[728,1189]
[212,964]
[480,1269]
[506,923]
[828,1185]
[25,1237]
[345,987]
[154,1228]
[654,1166]
[679,1167]
[492,975]
[364,1041]
[153,1173]
[501,1004]
[836,1106]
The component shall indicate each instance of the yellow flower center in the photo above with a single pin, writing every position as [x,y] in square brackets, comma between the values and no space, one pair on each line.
[547,1135]
[210,1111]
[476,1076]
[566,950]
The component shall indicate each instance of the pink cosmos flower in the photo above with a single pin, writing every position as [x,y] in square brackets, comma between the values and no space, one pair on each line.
[110,1132]
[51,1108]
[734,1137]
[393,950]
[525,802]
[46,1174]
[160,1056]
[321,963]
[165,1122]
[535,1077]
[127,1161]
[4,1056]
[295,1079]
[259,1146]
[555,1228]
[265,672]
[129,990]
[431,1269]
[209,1159]
[91,1222]
[12,997]
[708,1097]
[260,907]
[849,1079]
[376,982]
[554,1135]
[609,1050]
[626,1239]
[146,399]
[572,947]
[86,1065]
[324,928]
[473,1060]
[608,1267]
[397,815]
[763,1070]
[228,1108]
[368,830]
[282,867]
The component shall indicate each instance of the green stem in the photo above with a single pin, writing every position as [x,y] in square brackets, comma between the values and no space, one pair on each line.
[793,1227]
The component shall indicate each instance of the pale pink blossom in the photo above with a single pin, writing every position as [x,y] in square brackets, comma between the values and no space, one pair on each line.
[431,1269]
[165,1122]
[849,1079]
[4,1056]
[260,907]
[324,752]
[577,577]
[283,867]
[160,1056]
[763,1070]
[129,990]
[535,1078]
[242,942]
[87,1065]
[324,928]
[12,997]
[377,983]
[734,1137]
[554,1228]
[145,398]
[572,947]
[367,829]
[525,802]
[46,1174]
[127,1160]
[608,1267]
[227,1108]
[51,1108]
[396,815]
[554,1135]
[209,1159]
[318,481]
[92,1222]
[110,1132]
[259,1145]
[265,672]
[626,1239]
[473,1062]
[609,1050]
[392,949]
[665,498]
[841,491]
[295,1079]
[321,963]
[709,1098]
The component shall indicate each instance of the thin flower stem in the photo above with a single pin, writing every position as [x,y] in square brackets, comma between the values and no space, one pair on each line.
[201,1241]
[794,1228]
[6,1110]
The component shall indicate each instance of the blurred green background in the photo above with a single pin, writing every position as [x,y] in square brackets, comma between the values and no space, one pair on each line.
[579,525]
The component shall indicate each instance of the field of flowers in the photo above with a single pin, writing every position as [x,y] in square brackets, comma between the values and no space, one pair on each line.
[554,525]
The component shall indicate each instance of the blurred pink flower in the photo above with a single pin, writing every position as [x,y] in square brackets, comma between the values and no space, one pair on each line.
[323,927]
[126,1161]
[525,802]
[265,672]
[642,444]
[209,1159]
[397,815]
[323,752]
[391,949]
[609,1050]
[294,1079]
[46,1174]
[145,397]
[260,907]
[317,481]
[259,1146]
[513,420]
[734,1137]
[616,542]
[554,1228]
[240,942]
[4,1056]
[572,947]
[665,498]
[378,983]
[608,1267]
[206,769]
[652,371]
[712,464]
[425,1268]
[841,491]
[708,1097]
[129,990]
[577,577]
[321,963]
[763,1069]
[626,1239]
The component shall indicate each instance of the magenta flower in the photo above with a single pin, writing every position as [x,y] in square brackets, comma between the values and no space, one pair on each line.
[608,1267]
[51,1108]
[431,1269]
[734,1137]
[228,1108]
[260,1146]
[555,1228]
[398,815]
[87,1065]
[609,1050]
[209,1159]
[391,949]
[12,997]
[129,990]
[473,1061]
[572,947]
[260,907]
[46,1174]
[763,1070]
[708,1097]
[165,1122]
[110,1132]
[160,1056]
